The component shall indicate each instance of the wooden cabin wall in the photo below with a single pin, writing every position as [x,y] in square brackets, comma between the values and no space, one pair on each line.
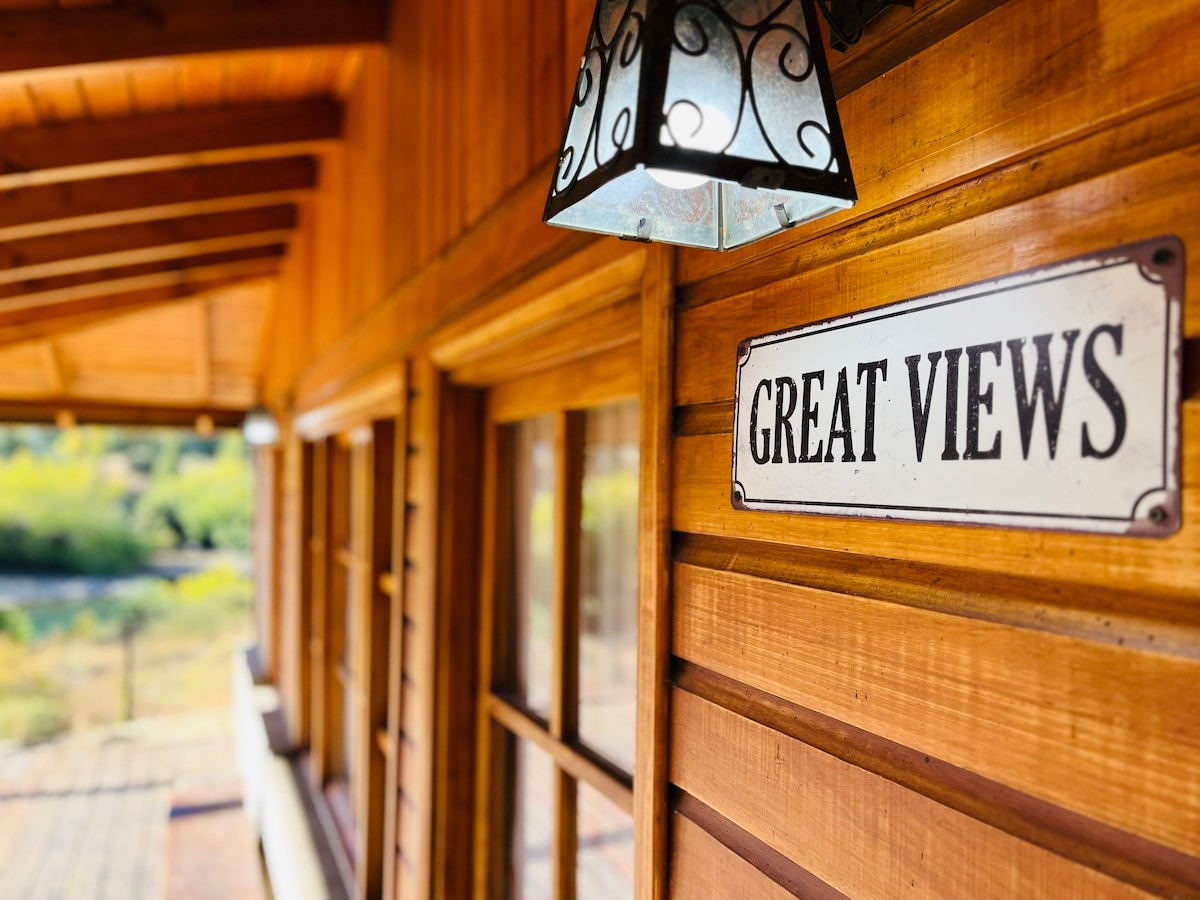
[865,708]
[856,708]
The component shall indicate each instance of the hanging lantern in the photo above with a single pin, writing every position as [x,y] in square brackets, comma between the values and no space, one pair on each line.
[708,123]
[260,428]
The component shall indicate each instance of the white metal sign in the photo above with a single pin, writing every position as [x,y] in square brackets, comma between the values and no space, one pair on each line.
[1045,399]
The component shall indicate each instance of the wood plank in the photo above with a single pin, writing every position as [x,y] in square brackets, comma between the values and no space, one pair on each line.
[56,381]
[94,291]
[603,329]
[1056,226]
[701,866]
[420,656]
[1111,723]
[56,38]
[591,381]
[507,247]
[589,280]
[1123,617]
[203,339]
[90,412]
[124,245]
[1003,108]
[656,391]
[374,639]
[1073,837]
[97,282]
[319,718]
[103,202]
[701,505]
[548,109]
[570,760]
[568,510]
[60,319]
[495,757]
[456,607]
[395,587]
[77,150]
[824,815]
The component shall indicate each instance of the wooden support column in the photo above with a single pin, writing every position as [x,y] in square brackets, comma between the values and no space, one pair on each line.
[203,352]
[654,579]
[395,650]
[460,464]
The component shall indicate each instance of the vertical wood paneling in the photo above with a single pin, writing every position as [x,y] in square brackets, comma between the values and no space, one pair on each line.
[547,113]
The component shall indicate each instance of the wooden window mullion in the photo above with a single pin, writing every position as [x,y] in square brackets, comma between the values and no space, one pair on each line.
[494,786]
[319,584]
[564,680]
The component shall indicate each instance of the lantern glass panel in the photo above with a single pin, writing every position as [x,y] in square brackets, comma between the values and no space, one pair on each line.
[707,123]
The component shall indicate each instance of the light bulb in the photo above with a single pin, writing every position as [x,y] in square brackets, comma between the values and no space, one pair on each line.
[680,181]
[692,127]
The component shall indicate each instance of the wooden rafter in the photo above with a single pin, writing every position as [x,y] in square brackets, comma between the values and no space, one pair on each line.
[84,149]
[105,202]
[142,242]
[33,322]
[97,282]
[56,37]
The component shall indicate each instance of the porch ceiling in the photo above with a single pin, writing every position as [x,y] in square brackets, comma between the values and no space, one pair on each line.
[155,160]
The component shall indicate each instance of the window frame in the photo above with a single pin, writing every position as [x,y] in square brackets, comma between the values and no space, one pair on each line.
[610,378]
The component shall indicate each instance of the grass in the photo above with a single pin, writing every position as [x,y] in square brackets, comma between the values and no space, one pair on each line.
[69,675]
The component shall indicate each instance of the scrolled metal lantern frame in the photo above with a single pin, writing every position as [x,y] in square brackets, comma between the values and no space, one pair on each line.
[706,123]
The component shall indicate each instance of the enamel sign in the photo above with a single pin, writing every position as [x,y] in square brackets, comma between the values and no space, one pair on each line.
[1046,399]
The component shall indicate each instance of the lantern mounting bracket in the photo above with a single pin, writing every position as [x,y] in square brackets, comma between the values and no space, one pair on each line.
[847,18]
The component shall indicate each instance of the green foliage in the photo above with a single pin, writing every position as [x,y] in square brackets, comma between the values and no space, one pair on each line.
[15,623]
[64,513]
[93,500]
[206,503]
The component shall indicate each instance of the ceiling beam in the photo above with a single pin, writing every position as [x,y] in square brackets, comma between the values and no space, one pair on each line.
[102,148]
[93,282]
[45,38]
[41,320]
[123,245]
[104,202]
[46,411]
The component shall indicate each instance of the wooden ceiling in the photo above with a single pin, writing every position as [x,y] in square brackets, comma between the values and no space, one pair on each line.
[154,162]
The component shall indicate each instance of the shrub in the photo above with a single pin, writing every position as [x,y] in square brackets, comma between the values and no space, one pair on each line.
[16,624]
[63,515]
[207,503]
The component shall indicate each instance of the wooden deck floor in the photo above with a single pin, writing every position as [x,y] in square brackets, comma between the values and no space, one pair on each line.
[136,812]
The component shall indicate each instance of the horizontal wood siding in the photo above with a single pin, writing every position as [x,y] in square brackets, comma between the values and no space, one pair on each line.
[926,709]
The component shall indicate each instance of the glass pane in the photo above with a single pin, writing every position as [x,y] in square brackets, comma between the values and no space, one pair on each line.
[604,860]
[608,584]
[533,560]
[533,825]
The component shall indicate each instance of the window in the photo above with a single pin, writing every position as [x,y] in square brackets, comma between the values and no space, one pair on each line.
[560,708]
[351,539]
